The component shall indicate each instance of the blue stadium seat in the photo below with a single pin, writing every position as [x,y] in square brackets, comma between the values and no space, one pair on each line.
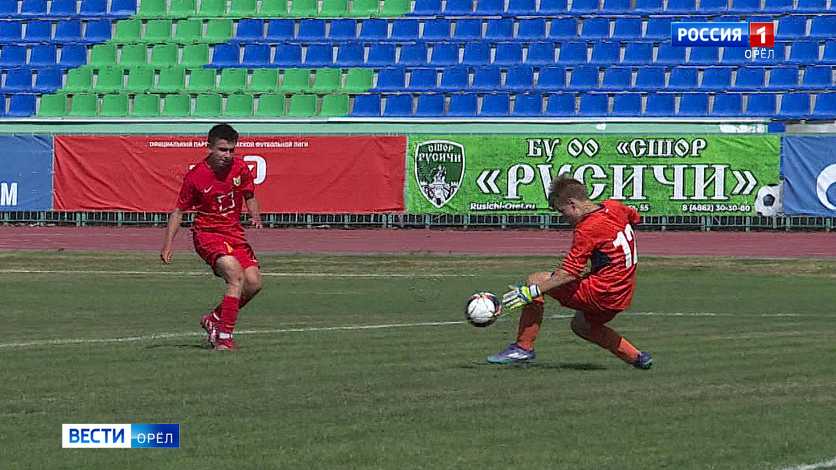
[564,28]
[605,53]
[750,78]
[617,78]
[256,55]
[477,53]
[458,7]
[500,30]
[381,55]
[225,55]
[249,30]
[829,56]
[572,53]
[12,56]
[97,31]
[802,52]
[650,78]
[728,104]
[713,6]
[553,7]
[21,105]
[366,106]
[423,79]
[344,29]
[521,8]
[681,6]
[682,79]
[627,104]
[455,79]
[430,105]
[777,6]
[47,80]
[648,6]
[791,27]
[33,8]
[413,54]
[552,78]
[627,28]
[350,54]
[584,78]
[311,29]
[437,30]
[288,55]
[584,6]
[529,104]
[8,10]
[65,9]
[540,53]
[560,104]
[638,53]
[761,105]
[716,78]
[489,7]
[43,55]
[38,31]
[11,32]
[123,7]
[427,8]
[747,6]
[487,79]
[823,27]
[693,104]
[670,55]
[72,55]
[616,6]
[593,105]
[531,28]
[68,31]
[463,105]
[398,105]
[658,28]
[391,79]
[811,6]
[783,78]
[320,55]
[595,28]
[704,56]
[659,105]
[279,30]
[375,29]
[495,105]
[508,53]
[405,30]
[89,7]
[18,81]
[445,54]
[818,77]
[795,106]
[520,78]
[825,107]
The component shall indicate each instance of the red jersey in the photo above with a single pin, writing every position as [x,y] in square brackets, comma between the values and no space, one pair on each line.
[217,197]
[606,237]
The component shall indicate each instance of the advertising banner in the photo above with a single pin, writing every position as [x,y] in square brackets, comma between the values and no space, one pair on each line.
[808,165]
[659,175]
[332,174]
[25,173]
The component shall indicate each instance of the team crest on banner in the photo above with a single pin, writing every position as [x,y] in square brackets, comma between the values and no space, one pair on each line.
[439,169]
[236,181]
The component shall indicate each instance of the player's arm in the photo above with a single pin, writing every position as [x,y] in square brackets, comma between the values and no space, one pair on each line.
[174,221]
[255,210]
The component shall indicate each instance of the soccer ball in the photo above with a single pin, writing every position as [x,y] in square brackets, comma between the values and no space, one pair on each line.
[482,309]
[768,201]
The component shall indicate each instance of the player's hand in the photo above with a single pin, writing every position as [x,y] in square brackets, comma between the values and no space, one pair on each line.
[166,254]
[256,222]
[520,295]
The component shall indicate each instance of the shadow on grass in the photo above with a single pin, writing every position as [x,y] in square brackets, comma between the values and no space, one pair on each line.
[178,346]
[582,366]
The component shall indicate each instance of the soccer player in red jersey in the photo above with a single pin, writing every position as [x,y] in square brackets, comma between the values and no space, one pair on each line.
[216,189]
[603,235]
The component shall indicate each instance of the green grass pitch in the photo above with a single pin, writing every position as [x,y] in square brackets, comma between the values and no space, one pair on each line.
[744,373]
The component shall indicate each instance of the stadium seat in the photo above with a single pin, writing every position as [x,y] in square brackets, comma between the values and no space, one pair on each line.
[531,29]
[140,79]
[463,105]
[583,78]
[437,30]
[67,8]
[122,7]
[791,27]
[296,80]
[823,27]
[521,78]
[553,8]
[487,79]
[33,8]
[134,54]
[670,55]
[207,106]
[350,54]
[541,53]
[194,55]
[811,6]
[593,105]
[405,30]
[658,28]
[343,30]
[238,106]
[704,56]
[580,7]
[225,55]
[83,105]
[165,55]
[750,78]
[650,78]
[713,6]
[783,78]
[761,105]
[358,80]
[649,6]
[682,79]
[208,8]
[495,105]
[627,28]
[747,6]
[263,81]
[326,81]
[256,55]
[395,8]
[595,28]
[458,8]
[572,53]
[288,55]
[392,79]
[521,8]
[72,55]
[38,31]
[552,78]
[367,105]
[11,32]
[489,7]
[693,104]
[232,81]
[454,79]
[616,7]
[270,105]
[242,8]
[430,105]
[617,78]
[43,55]
[115,105]
[659,105]
[445,54]
[727,104]
[366,9]
[825,107]
[716,78]
[201,80]
[627,104]
[21,105]
[79,80]
[422,79]
[18,81]
[477,53]
[176,106]
[172,80]
[218,30]
[12,56]
[109,80]
[829,56]
[681,6]
[795,106]
[802,52]
[605,53]
[561,104]
[279,30]
[273,9]
[413,54]
[372,29]
[398,105]
[564,29]
[529,104]
[334,105]
[381,55]
[468,30]
[157,31]
[128,31]
[52,105]
[182,8]
[311,29]
[250,30]
[427,8]
[818,77]
[508,53]
[777,6]
[47,80]
[638,53]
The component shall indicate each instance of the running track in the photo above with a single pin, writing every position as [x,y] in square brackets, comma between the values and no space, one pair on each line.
[422,241]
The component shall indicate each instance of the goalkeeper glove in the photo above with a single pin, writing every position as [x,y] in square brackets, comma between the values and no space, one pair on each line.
[520,295]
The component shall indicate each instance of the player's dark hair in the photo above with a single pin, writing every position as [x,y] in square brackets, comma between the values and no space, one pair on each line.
[564,188]
[222,131]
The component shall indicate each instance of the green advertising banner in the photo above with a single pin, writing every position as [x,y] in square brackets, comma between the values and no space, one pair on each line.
[679,175]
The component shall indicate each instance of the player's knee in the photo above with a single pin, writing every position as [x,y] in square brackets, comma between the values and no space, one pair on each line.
[253,284]
[579,325]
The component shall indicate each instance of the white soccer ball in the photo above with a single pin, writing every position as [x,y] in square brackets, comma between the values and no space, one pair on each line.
[482,309]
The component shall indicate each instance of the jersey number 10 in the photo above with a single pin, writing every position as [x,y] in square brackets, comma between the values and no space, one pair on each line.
[627,242]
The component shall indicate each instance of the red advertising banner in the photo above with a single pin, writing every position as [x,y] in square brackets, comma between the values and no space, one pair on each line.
[329,174]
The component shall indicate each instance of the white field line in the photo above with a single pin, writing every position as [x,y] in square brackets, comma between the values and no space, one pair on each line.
[156,336]
[209,273]
[814,466]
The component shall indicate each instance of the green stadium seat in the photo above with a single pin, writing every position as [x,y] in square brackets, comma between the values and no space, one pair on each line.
[218,31]
[295,80]
[233,81]
[177,106]
[201,80]
[264,81]
[152,9]
[172,80]
[212,8]
[182,8]
[358,80]
[128,31]
[303,8]
[243,9]
[334,8]
[83,105]
[140,79]
[326,80]
[134,54]
[79,80]
[114,106]
[164,55]
[109,80]
[53,105]
[302,106]
[157,31]
[334,105]
[273,9]
[270,105]
[195,55]
[146,106]
[103,55]
[207,105]
[188,31]
[394,8]
[364,9]
[239,106]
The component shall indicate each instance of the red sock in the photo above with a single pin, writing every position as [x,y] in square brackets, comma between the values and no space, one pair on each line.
[228,313]
[529,327]
[217,309]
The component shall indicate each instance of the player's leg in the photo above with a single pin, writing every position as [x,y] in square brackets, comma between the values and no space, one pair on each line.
[591,327]
[252,285]
[230,270]
[531,318]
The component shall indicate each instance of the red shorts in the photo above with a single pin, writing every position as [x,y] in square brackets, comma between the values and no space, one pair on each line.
[577,295]
[211,246]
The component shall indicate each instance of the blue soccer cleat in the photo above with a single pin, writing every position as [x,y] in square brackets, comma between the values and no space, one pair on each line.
[513,354]
[644,361]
